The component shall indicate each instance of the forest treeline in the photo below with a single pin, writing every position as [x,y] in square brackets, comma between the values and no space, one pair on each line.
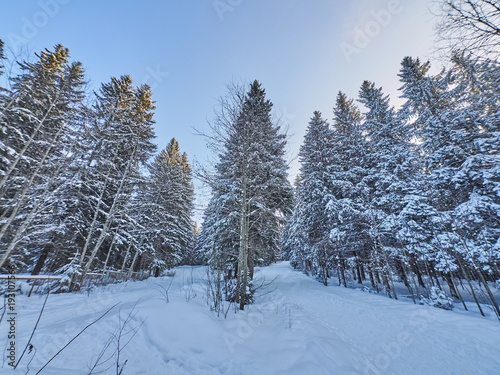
[409,195]
[81,188]
[383,196]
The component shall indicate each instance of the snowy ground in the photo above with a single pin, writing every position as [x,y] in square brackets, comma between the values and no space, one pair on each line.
[296,326]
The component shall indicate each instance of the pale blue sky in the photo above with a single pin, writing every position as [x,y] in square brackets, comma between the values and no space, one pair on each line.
[302,51]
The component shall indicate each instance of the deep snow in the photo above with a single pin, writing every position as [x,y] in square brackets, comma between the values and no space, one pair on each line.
[295,326]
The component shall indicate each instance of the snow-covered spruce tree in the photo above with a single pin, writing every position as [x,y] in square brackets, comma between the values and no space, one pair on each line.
[190,231]
[428,235]
[345,200]
[122,127]
[167,205]
[251,192]
[390,159]
[457,126]
[311,227]
[48,239]
[294,242]
[391,163]
[476,221]
[37,137]
[426,108]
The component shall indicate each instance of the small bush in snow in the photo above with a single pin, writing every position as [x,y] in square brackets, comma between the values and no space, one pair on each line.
[438,298]
[367,289]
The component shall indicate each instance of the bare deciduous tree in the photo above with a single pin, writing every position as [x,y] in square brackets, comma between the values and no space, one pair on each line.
[471,25]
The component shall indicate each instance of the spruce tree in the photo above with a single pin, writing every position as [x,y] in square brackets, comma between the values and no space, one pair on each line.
[295,244]
[122,127]
[315,157]
[345,202]
[454,119]
[251,192]
[39,132]
[390,162]
[168,204]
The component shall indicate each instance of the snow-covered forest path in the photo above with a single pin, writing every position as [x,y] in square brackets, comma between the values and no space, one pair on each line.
[349,331]
[295,326]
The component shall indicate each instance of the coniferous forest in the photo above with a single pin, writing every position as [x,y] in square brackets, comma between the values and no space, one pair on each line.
[383,195]
[82,189]
[324,256]
[409,195]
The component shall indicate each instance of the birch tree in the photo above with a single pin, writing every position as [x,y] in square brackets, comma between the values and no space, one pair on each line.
[472,26]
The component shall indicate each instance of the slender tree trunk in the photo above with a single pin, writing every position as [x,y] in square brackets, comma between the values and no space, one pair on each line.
[392,284]
[22,196]
[43,257]
[429,274]
[458,293]
[410,289]
[483,279]
[363,274]
[245,269]
[342,273]
[436,278]
[109,219]
[251,263]
[131,270]
[109,252]
[353,271]
[33,212]
[451,285]
[94,219]
[372,280]
[126,256]
[243,262]
[419,276]
[467,277]
[488,290]
[402,273]
[386,284]
[21,153]
[415,285]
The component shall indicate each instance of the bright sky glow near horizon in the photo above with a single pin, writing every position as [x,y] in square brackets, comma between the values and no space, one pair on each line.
[302,51]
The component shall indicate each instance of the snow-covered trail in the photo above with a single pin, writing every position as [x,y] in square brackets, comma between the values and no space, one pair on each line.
[296,326]
[382,336]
